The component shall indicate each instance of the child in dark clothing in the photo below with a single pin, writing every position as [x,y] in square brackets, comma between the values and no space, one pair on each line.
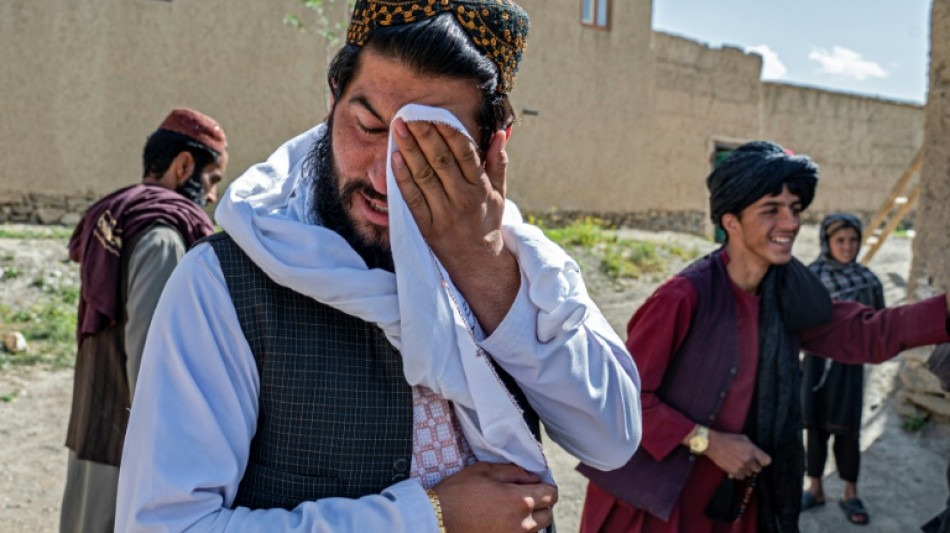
[832,392]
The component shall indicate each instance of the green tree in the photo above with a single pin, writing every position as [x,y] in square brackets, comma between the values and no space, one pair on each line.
[326,21]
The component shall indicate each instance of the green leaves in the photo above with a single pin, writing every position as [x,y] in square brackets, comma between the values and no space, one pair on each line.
[293,21]
[327,21]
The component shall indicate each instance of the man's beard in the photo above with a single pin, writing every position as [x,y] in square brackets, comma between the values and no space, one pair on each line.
[192,189]
[331,205]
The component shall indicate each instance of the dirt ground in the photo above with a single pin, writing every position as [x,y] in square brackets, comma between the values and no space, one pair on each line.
[902,476]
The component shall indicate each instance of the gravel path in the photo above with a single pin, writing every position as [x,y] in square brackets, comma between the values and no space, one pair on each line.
[902,480]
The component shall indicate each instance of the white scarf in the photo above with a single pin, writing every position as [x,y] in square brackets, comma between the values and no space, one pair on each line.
[268,213]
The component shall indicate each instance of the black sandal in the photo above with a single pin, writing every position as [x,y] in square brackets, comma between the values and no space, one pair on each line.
[809,501]
[855,512]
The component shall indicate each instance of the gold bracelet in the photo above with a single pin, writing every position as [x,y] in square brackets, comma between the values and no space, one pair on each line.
[437,506]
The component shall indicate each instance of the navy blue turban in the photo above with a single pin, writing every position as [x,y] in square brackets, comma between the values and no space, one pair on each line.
[755,170]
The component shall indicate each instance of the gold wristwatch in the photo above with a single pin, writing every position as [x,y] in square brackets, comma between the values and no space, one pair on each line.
[699,441]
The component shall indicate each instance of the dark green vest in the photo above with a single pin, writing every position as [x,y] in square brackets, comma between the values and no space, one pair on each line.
[335,410]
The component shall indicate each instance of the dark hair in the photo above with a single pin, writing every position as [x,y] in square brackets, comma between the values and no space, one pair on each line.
[801,186]
[756,170]
[163,146]
[434,47]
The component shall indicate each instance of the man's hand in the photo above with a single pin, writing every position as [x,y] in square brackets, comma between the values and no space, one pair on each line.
[736,454]
[488,497]
[458,203]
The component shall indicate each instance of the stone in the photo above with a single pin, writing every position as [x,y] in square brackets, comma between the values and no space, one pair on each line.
[906,409]
[11,198]
[917,378]
[917,355]
[70,219]
[937,405]
[15,342]
[49,215]
[43,199]
[79,204]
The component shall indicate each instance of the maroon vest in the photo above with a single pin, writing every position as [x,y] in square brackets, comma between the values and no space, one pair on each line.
[695,383]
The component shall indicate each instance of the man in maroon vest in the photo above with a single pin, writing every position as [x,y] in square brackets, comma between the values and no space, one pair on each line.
[127,244]
[717,349]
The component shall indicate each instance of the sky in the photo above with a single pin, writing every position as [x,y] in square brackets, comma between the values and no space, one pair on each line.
[869,47]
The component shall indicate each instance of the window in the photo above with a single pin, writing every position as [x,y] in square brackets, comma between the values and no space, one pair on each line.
[595,13]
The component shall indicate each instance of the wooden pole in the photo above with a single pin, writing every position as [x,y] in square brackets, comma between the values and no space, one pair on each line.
[891,225]
[896,193]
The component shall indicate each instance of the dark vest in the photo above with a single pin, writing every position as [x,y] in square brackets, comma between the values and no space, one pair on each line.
[335,411]
[101,396]
[695,383]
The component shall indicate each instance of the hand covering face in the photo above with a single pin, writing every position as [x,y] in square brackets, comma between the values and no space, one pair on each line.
[267,212]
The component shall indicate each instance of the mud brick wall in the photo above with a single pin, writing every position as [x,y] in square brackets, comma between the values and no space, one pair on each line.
[39,208]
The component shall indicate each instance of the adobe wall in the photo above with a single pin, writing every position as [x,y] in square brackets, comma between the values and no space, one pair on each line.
[619,123]
[701,95]
[591,91]
[862,145]
[84,82]
[930,270]
[652,164]
[705,95]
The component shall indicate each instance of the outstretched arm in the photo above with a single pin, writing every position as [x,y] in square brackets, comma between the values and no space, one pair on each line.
[859,334]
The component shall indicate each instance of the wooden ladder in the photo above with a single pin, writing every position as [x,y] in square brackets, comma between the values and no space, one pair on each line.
[899,199]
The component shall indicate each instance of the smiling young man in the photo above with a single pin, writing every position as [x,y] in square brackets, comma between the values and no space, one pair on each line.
[717,349]
[299,379]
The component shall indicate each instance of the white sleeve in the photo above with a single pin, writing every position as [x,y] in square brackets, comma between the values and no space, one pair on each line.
[194,415]
[573,368]
[153,259]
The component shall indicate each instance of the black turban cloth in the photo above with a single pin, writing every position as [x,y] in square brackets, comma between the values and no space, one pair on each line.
[755,170]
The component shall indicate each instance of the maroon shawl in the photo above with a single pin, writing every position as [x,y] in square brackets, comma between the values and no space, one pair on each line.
[97,244]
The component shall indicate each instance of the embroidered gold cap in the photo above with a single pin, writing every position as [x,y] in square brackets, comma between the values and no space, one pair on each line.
[499,28]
